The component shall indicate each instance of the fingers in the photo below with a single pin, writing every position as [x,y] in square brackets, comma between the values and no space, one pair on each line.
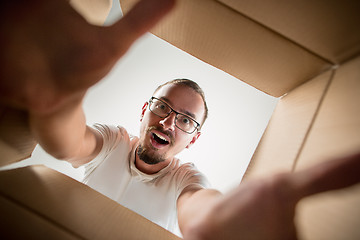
[329,175]
[140,19]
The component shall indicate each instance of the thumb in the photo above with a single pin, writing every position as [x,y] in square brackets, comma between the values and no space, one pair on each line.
[140,19]
[330,175]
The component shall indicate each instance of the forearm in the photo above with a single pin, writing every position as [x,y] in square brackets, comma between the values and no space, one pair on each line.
[194,210]
[62,132]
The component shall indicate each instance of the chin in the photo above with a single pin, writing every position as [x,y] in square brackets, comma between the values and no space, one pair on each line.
[149,157]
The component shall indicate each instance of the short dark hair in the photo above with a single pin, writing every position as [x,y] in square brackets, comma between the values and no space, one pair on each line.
[191,84]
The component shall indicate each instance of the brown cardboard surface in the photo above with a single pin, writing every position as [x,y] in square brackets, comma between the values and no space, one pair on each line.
[58,203]
[220,36]
[329,28]
[94,11]
[288,128]
[337,127]
[17,222]
[330,216]
[334,133]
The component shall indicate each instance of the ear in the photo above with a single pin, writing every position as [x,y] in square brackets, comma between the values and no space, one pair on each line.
[143,110]
[193,140]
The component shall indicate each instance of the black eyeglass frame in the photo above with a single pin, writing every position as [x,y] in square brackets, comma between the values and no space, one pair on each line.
[176,116]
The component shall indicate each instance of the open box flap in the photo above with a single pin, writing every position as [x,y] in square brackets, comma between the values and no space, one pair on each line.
[329,29]
[238,45]
[61,204]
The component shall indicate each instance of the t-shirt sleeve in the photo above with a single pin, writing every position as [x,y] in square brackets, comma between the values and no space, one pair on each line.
[190,176]
[111,136]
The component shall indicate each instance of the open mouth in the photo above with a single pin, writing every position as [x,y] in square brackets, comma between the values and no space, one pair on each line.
[160,139]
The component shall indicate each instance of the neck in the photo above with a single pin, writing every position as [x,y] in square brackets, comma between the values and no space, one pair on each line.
[150,168]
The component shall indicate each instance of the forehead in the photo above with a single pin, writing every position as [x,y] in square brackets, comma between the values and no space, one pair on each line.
[182,99]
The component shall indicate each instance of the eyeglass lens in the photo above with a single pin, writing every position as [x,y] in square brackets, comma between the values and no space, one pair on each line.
[182,121]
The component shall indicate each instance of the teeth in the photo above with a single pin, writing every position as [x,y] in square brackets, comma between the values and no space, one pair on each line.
[161,137]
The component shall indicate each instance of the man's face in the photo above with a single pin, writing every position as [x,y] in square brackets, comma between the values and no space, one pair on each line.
[160,139]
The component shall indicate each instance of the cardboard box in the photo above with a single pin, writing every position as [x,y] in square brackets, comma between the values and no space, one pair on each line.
[304,52]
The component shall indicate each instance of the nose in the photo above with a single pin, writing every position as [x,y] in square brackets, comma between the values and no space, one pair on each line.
[168,123]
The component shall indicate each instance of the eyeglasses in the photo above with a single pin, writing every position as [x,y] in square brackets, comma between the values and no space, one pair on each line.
[182,121]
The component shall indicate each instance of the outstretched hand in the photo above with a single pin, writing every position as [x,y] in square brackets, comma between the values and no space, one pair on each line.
[265,208]
[50,54]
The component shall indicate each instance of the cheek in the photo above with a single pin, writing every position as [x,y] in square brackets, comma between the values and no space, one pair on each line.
[145,122]
[183,140]
[149,118]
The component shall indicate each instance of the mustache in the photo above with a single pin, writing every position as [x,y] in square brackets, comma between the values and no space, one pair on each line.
[167,133]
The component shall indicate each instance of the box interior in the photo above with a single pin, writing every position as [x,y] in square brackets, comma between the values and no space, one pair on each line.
[306,53]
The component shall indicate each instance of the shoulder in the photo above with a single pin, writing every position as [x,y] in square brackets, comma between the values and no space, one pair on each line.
[114,138]
[186,168]
[112,133]
[187,175]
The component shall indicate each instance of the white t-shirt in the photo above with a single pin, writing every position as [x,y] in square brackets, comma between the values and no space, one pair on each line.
[114,174]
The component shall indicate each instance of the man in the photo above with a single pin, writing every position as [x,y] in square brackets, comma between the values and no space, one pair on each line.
[51,56]
[143,174]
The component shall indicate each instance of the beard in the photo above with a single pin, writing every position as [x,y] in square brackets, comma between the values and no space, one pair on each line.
[147,157]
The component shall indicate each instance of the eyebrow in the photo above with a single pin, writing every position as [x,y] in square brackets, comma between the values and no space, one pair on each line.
[181,110]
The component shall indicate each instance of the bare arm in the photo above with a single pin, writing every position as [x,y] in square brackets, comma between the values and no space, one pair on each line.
[65,135]
[51,56]
[193,205]
[263,208]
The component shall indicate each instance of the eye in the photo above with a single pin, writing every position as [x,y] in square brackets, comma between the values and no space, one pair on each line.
[186,121]
[161,106]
